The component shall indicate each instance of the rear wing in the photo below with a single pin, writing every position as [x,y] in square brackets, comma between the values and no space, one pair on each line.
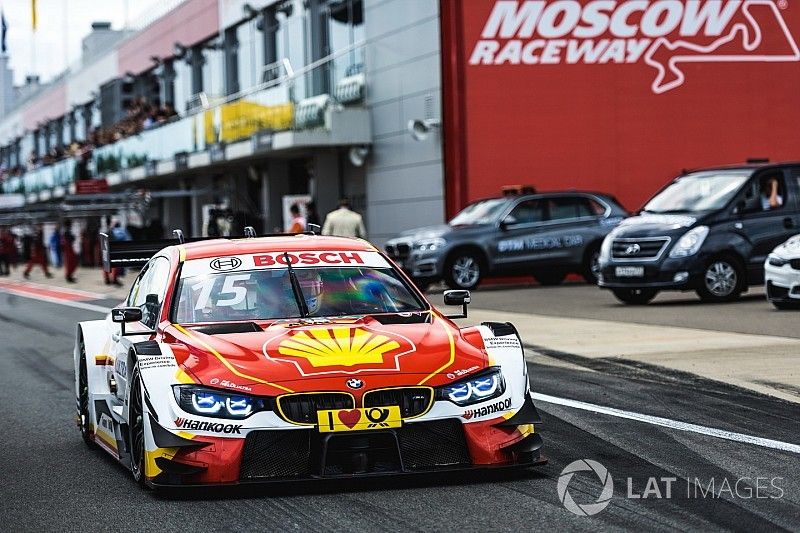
[130,254]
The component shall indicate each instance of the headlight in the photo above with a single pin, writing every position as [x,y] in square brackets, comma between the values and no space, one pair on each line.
[475,389]
[429,245]
[776,261]
[211,402]
[605,248]
[690,242]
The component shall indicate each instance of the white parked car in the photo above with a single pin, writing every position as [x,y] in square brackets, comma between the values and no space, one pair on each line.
[782,275]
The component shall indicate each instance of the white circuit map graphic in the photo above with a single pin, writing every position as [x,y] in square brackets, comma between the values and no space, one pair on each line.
[751,35]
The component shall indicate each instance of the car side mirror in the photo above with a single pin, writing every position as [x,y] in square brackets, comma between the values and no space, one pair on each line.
[457,297]
[123,315]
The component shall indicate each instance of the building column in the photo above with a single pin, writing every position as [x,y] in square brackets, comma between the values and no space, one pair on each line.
[231,61]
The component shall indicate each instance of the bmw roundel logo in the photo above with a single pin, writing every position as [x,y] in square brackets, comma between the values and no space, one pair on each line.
[355,383]
[226,263]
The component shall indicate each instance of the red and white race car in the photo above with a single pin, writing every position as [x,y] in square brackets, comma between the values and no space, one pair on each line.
[292,357]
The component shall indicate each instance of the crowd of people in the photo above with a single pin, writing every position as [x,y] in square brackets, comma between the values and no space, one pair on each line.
[140,115]
[341,222]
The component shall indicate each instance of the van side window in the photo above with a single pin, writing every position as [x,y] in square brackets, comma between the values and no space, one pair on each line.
[772,191]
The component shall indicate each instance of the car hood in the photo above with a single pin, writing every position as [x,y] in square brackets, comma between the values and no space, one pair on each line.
[651,225]
[442,231]
[789,249]
[295,357]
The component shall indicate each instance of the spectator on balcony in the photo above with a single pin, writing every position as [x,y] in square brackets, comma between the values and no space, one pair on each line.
[38,255]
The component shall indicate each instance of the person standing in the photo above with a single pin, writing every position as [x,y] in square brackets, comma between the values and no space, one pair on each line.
[69,255]
[312,217]
[298,222]
[7,249]
[38,255]
[54,245]
[344,222]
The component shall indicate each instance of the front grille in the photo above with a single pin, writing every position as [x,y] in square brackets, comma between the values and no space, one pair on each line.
[413,401]
[795,263]
[302,408]
[635,249]
[427,445]
[276,454]
[398,251]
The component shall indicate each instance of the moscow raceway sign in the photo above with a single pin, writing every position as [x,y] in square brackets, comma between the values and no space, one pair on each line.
[662,33]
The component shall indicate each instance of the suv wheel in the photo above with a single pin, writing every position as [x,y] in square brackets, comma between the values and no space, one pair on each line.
[463,271]
[591,266]
[635,296]
[722,280]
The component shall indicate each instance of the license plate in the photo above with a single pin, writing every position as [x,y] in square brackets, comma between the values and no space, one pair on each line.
[629,272]
[362,419]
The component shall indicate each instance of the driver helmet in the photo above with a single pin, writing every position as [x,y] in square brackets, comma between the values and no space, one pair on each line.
[310,284]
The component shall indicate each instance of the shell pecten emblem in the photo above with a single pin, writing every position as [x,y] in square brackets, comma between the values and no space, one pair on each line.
[339,349]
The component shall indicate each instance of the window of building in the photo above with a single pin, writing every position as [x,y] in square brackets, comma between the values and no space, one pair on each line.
[249,54]
[213,68]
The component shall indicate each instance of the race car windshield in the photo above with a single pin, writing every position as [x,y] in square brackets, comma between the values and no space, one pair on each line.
[482,212]
[267,294]
[701,191]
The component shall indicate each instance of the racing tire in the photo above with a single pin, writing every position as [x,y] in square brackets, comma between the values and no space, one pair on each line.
[591,265]
[463,270]
[550,278]
[635,296]
[136,427]
[83,399]
[722,280]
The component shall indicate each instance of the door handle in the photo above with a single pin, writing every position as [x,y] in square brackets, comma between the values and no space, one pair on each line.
[788,222]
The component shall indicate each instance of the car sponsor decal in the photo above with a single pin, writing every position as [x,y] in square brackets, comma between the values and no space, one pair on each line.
[539,243]
[331,421]
[455,374]
[276,260]
[229,384]
[480,412]
[502,342]
[103,360]
[661,34]
[333,349]
[203,425]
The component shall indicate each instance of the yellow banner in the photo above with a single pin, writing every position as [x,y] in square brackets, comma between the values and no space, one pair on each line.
[368,418]
[33,14]
[240,119]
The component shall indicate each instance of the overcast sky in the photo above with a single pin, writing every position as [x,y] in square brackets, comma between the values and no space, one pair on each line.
[61,26]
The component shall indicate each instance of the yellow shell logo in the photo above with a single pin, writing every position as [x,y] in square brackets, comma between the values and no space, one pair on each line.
[338,346]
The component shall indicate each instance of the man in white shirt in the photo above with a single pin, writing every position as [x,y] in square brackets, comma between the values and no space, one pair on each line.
[344,222]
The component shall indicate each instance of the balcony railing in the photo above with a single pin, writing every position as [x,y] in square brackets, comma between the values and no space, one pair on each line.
[290,100]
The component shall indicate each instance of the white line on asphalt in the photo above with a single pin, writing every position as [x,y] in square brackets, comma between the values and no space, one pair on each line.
[68,303]
[668,423]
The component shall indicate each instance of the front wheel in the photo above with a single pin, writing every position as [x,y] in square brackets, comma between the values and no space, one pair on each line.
[635,296]
[591,266]
[463,271]
[136,427]
[722,281]
[84,423]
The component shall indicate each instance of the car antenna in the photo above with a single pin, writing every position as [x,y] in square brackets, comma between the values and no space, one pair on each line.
[298,292]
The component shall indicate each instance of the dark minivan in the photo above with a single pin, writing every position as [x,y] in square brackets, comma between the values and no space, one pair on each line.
[709,230]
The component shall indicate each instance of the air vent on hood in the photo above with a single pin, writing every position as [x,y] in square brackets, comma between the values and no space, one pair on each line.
[229,327]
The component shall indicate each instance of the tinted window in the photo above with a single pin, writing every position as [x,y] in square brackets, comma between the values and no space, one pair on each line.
[570,207]
[527,212]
